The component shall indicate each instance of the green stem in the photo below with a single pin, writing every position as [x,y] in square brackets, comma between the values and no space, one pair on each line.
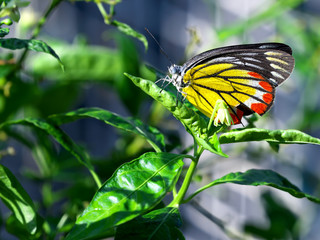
[95,178]
[111,10]
[201,190]
[174,191]
[187,180]
[107,17]
[43,20]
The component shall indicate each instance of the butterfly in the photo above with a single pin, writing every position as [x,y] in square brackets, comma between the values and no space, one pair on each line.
[243,76]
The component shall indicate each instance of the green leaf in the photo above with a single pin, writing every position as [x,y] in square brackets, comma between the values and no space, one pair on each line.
[133,189]
[16,3]
[290,136]
[53,130]
[126,29]
[17,200]
[4,32]
[11,9]
[193,122]
[157,225]
[260,177]
[82,62]
[152,135]
[31,44]
[17,229]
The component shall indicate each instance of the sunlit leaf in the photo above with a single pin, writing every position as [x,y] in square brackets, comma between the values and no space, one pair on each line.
[17,200]
[134,188]
[290,136]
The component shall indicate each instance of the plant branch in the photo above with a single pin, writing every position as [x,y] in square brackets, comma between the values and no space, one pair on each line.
[105,15]
[215,220]
[187,180]
[199,191]
[38,28]
[96,178]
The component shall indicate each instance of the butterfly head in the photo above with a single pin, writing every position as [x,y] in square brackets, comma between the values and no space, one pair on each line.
[176,73]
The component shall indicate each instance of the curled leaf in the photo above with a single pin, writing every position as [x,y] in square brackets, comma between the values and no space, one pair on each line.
[31,44]
[260,177]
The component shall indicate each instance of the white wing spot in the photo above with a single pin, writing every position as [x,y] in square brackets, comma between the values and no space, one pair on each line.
[251,59]
[277,75]
[248,54]
[222,59]
[273,80]
[253,65]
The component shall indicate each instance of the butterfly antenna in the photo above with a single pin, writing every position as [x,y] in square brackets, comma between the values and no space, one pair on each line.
[161,49]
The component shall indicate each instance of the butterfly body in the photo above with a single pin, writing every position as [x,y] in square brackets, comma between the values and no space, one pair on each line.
[244,76]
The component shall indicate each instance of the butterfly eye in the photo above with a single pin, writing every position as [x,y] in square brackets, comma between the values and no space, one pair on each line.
[175,69]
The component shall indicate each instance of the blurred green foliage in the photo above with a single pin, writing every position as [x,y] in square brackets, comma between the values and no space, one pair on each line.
[282,221]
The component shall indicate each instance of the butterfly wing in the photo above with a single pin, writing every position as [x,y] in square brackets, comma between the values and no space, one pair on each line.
[244,76]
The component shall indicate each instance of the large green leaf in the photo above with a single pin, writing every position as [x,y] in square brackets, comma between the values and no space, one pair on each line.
[59,135]
[152,135]
[156,225]
[195,124]
[17,200]
[134,188]
[290,136]
[260,177]
[31,44]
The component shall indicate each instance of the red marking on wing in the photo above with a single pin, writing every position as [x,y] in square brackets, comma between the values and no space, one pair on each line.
[236,119]
[259,108]
[255,75]
[267,97]
[266,86]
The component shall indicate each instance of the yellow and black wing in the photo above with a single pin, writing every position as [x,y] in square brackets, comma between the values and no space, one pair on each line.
[244,76]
